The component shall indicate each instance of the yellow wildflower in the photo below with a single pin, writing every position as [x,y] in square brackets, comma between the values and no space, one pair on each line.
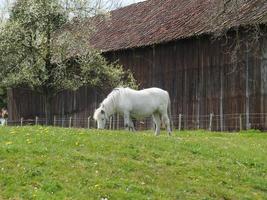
[9,143]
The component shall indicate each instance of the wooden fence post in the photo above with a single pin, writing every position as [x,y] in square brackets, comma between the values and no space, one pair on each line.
[36,121]
[114,122]
[55,119]
[21,121]
[110,123]
[88,122]
[180,122]
[240,122]
[210,124]
[118,122]
[70,122]
[63,121]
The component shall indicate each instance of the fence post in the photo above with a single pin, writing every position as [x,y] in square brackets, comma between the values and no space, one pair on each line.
[114,122]
[36,121]
[21,121]
[180,122]
[70,122]
[88,122]
[63,121]
[110,123]
[240,122]
[55,119]
[118,122]
[210,124]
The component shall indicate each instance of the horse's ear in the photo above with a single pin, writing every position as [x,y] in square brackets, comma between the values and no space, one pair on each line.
[102,112]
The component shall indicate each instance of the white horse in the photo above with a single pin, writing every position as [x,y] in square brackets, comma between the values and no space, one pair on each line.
[135,104]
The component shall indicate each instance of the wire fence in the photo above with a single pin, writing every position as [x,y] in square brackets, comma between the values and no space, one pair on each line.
[211,122]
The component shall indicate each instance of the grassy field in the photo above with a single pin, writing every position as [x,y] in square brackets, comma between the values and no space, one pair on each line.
[54,163]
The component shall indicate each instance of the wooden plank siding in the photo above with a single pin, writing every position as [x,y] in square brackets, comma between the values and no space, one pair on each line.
[201,79]
[80,104]
[198,74]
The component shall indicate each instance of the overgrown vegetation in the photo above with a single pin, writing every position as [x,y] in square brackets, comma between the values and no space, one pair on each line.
[55,163]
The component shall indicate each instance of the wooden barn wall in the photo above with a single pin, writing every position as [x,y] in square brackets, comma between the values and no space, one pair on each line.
[79,105]
[202,78]
[198,73]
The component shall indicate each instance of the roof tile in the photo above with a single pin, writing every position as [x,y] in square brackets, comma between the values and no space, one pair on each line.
[157,21]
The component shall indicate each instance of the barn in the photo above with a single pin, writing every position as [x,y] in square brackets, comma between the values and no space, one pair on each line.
[214,82]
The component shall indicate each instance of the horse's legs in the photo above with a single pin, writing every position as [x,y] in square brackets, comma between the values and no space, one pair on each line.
[127,121]
[166,121]
[131,125]
[156,119]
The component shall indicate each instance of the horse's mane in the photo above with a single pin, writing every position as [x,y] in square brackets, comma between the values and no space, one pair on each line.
[115,92]
[110,100]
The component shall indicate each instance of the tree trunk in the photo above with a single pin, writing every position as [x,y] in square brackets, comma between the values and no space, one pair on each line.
[48,109]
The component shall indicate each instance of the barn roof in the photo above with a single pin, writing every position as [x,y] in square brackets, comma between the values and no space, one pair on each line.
[158,21]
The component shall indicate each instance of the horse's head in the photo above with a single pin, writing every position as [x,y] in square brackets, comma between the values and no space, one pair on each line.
[101,117]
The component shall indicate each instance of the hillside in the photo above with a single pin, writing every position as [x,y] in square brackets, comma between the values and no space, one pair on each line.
[55,163]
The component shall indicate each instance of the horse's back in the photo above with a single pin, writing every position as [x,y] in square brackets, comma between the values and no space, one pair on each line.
[149,91]
[146,101]
[154,93]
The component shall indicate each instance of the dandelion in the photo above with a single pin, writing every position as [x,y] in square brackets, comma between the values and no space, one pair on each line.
[9,143]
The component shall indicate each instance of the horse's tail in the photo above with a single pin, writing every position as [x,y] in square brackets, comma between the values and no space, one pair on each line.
[169,112]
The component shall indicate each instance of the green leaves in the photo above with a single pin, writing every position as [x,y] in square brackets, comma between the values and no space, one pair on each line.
[93,70]
[99,73]
[3,97]
[39,51]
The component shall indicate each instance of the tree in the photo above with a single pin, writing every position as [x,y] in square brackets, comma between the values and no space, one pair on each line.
[38,51]
[3,97]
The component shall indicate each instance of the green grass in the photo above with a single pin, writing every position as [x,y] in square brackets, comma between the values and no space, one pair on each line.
[54,163]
